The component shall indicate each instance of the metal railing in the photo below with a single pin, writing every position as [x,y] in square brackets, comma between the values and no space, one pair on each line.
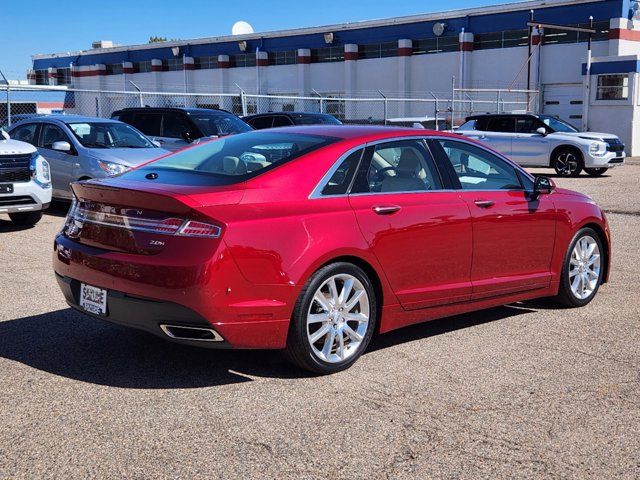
[437,110]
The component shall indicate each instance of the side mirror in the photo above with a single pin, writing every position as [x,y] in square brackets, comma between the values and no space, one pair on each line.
[542,131]
[156,143]
[543,185]
[5,135]
[61,146]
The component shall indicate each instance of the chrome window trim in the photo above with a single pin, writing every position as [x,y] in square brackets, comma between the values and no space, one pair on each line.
[317,191]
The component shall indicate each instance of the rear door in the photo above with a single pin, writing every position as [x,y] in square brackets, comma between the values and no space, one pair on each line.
[148,123]
[419,230]
[499,134]
[513,233]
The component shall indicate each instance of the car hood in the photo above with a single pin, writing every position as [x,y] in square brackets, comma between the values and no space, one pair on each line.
[15,147]
[584,135]
[128,156]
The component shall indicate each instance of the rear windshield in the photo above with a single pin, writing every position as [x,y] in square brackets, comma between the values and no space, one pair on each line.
[315,120]
[237,157]
[212,124]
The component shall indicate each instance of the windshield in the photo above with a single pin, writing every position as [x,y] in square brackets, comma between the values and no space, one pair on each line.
[109,135]
[212,124]
[556,124]
[315,120]
[238,157]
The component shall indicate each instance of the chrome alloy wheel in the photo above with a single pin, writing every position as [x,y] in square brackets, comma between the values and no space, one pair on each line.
[338,318]
[566,164]
[584,267]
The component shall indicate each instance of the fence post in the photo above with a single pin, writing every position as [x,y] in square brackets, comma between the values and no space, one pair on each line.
[453,95]
[8,106]
[498,101]
[385,106]
[436,109]
[321,99]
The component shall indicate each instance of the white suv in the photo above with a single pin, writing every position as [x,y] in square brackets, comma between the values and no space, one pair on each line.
[25,181]
[546,141]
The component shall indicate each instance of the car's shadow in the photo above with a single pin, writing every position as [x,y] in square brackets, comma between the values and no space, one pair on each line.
[71,345]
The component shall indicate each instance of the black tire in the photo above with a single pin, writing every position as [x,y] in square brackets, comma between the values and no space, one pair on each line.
[566,296]
[299,350]
[567,162]
[26,219]
[596,172]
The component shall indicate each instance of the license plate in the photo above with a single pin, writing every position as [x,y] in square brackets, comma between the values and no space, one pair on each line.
[93,299]
[6,188]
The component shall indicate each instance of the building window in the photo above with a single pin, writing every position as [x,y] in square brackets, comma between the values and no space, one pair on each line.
[114,69]
[613,87]
[41,77]
[63,76]
[327,54]
[282,58]
[242,60]
[551,36]
[436,45]
[172,64]
[204,63]
[378,50]
[142,67]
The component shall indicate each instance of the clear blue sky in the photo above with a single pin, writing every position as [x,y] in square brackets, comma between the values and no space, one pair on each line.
[51,26]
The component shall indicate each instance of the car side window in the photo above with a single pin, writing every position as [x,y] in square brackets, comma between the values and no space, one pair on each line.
[174,125]
[339,182]
[501,124]
[398,166]
[147,123]
[261,122]
[51,134]
[478,169]
[281,121]
[527,125]
[25,133]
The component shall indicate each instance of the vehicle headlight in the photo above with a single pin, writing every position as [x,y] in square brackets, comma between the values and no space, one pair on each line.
[598,149]
[40,171]
[112,168]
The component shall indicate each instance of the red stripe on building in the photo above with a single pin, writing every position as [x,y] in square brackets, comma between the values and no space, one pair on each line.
[223,64]
[535,39]
[303,60]
[189,66]
[466,46]
[351,55]
[156,68]
[624,34]
[128,70]
[405,51]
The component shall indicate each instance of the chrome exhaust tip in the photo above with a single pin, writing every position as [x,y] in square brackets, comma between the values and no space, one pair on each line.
[180,332]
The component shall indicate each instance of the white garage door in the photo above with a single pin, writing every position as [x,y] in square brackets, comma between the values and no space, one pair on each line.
[563,100]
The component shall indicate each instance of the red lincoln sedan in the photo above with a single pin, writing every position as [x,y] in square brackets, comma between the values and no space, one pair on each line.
[312,239]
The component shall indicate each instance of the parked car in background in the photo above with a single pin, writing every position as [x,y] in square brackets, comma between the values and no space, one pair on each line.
[18,117]
[175,128]
[546,141]
[288,119]
[25,181]
[79,148]
[311,239]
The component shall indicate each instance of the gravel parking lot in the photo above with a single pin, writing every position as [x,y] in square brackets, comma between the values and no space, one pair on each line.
[522,391]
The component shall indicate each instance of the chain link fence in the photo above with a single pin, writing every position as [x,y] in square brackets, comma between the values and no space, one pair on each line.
[430,109]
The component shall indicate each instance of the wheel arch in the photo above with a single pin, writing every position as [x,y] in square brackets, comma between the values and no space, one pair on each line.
[602,235]
[566,146]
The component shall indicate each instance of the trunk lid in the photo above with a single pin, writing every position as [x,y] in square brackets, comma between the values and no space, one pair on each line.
[143,217]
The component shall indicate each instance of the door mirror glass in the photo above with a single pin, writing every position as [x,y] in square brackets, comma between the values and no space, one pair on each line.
[61,146]
[542,131]
[543,185]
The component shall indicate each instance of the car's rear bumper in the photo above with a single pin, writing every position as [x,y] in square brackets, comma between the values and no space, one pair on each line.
[147,291]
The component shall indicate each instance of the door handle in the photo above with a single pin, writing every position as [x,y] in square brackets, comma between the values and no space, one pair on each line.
[386,209]
[484,203]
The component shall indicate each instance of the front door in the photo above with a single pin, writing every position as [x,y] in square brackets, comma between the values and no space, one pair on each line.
[513,234]
[62,163]
[530,148]
[420,233]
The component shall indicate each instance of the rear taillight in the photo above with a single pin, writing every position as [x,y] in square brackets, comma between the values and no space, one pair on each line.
[199,229]
[79,215]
